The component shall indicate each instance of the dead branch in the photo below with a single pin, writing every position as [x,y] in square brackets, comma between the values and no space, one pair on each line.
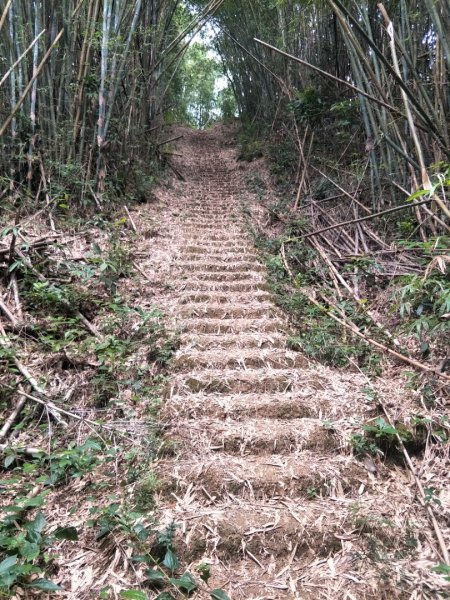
[367,218]
[6,343]
[173,139]
[5,310]
[13,416]
[130,218]
[51,407]
[89,326]
[348,324]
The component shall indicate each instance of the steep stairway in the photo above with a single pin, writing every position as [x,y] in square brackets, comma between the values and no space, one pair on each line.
[256,476]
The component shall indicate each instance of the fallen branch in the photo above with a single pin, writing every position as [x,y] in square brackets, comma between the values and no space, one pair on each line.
[89,326]
[13,416]
[130,218]
[348,324]
[427,505]
[5,342]
[142,272]
[5,310]
[367,218]
[169,140]
[50,406]
[332,77]
[176,171]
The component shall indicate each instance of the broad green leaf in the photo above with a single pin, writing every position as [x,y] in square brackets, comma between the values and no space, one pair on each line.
[133,595]
[9,460]
[171,561]
[186,583]
[38,523]
[67,533]
[29,551]
[29,468]
[33,502]
[165,596]
[6,564]
[418,194]
[45,585]
[219,595]
[154,576]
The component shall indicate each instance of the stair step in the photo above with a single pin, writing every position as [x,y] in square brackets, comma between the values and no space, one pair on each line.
[225,276]
[205,254]
[218,298]
[297,405]
[255,436]
[270,532]
[220,267]
[221,311]
[256,477]
[235,341]
[241,325]
[223,238]
[238,359]
[219,286]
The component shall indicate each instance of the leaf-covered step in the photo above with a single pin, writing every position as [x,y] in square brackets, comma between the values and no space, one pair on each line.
[238,359]
[208,254]
[221,286]
[220,266]
[233,381]
[241,325]
[305,474]
[270,532]
[256,436]
[228,311]
[214,297]
[235,341]
[225,276]
[250,405]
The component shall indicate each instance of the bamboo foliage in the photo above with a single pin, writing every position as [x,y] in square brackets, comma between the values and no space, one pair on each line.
[397,75]
[80,86]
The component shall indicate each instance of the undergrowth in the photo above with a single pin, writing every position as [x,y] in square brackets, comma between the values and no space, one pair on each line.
[74,445]
[318,335]
[87,442]
[416,306]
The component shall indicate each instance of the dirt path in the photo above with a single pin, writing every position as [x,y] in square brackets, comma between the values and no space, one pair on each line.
[260,478]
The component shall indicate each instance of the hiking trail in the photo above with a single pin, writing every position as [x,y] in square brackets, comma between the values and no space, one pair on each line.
[259,475]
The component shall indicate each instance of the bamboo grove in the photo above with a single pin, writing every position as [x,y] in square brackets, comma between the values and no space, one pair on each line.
[384,67]
[83,88]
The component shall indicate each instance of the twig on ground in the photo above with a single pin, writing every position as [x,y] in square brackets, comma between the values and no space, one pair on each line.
[5,310]
[13,416]
[130,218]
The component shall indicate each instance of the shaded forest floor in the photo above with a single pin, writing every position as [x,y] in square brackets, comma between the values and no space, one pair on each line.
[225,453]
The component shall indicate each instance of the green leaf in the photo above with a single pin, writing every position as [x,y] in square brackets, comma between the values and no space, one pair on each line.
[219,595]
[66,533]
[154,576]
[33,502]
[45,585]
[29,468]
[29,551]
[171,561]
[417,194]
[186,583]
[9,460]
[38,523]
[133,595]
[6,564]
[165,596]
